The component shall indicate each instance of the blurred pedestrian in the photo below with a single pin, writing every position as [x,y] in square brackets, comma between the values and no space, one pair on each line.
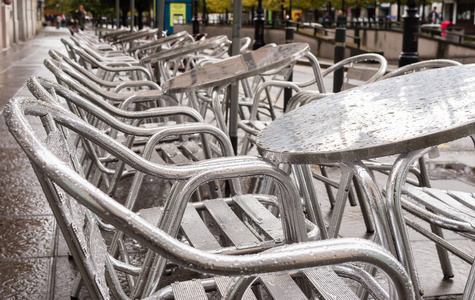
[341,19]
[433,16]
[327,20]
[58,21]
[80,16]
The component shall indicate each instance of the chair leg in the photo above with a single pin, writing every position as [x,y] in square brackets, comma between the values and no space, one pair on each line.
[364,207]
[444,259]
[305,182]
[328,187]
[469,291]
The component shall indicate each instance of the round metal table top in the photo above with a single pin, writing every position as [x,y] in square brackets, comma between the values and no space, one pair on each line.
[236,68]
[391,116]
[187,49]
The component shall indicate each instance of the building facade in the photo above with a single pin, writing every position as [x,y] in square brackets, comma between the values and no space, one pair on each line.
[461,13]
[20,20]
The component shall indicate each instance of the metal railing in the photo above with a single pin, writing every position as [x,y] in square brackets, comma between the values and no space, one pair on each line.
[448,34]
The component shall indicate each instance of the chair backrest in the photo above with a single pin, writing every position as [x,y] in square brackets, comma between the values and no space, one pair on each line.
[360,69]
[77,224]
[420,66]
[58,56]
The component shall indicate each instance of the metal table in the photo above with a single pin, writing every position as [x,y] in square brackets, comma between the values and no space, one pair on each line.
[398,115]
[186,49]
[219,75]
[160,42]
[388,117]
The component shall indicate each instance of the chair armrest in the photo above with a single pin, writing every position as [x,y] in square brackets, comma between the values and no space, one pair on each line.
[138,83]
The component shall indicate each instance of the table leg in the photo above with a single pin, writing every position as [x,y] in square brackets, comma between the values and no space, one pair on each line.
[342,194]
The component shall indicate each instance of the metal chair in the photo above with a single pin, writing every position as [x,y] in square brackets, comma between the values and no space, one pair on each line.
[77,205]
[106,70]
[115,86]
[451,210]
[129,128]
[76,81]
[357,70]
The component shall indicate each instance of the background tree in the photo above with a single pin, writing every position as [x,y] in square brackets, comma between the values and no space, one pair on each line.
[219,6]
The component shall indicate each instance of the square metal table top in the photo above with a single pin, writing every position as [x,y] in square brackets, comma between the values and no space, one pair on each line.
[391,116]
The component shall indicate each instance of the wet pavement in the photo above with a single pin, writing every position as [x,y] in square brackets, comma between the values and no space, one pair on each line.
[34,258]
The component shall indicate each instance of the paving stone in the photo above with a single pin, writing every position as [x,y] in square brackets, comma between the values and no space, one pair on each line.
[25,278]
[26,237]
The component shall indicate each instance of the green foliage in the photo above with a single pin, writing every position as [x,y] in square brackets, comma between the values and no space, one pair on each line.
[96,7]
[219,6]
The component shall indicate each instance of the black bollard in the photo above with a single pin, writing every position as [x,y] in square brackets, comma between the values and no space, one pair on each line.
[194,21]
[409,53]
[259,27]
[289,38]
[340,34]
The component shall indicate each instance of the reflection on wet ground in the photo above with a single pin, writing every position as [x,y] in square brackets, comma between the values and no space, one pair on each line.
[34,257]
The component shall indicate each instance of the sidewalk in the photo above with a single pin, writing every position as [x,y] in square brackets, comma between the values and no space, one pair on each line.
[34,259]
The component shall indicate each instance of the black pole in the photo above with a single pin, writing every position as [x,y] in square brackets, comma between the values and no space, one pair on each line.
[259,27]
[204,16]
[409,53]
[399,10]
[194,20]
[340,36]
[289,38]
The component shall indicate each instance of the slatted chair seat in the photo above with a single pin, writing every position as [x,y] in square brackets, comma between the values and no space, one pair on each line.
[323,283]
[455,205]
[231,225]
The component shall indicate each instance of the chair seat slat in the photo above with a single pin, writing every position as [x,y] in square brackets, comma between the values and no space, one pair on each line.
[223,285]
[328,284]
[196,231]
[282,287]
[189,290]
[261,216]
[230,224]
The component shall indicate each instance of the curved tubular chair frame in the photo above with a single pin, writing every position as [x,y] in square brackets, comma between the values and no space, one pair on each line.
[434,63]
[84,87]
[110,70]
[116,85]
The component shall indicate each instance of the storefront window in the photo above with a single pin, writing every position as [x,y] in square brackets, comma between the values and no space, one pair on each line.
[38,10]
[465,10]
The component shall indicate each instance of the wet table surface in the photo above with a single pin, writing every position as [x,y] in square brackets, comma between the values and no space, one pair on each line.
[387,117]
[236,68]
[161,41]
[187,49]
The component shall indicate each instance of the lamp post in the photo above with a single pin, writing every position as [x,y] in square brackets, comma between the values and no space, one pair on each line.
[259,27]
[409,53]
[194,19]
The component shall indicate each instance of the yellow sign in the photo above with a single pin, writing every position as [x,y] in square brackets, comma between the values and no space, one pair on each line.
[296,14]
[177,13]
